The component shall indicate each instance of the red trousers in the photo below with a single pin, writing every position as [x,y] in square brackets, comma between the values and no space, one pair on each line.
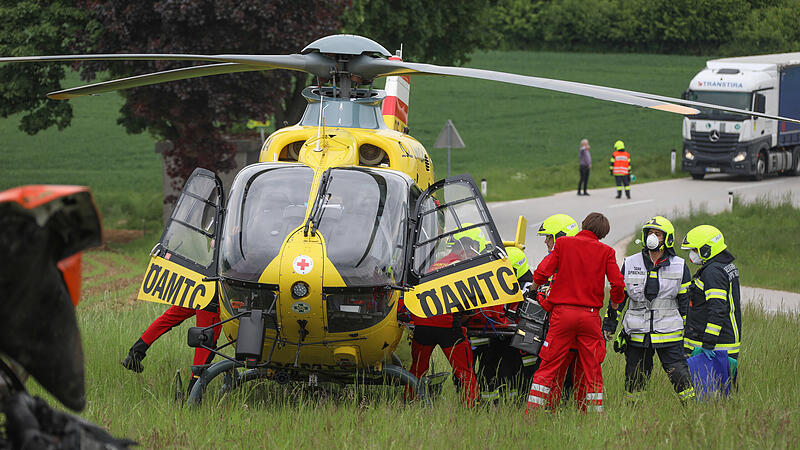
[570,327]
[174,316]
[456,348]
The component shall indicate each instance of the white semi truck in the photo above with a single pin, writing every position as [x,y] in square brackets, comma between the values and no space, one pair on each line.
[718,141]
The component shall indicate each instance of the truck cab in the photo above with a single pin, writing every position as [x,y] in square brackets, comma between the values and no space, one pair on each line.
[721,142]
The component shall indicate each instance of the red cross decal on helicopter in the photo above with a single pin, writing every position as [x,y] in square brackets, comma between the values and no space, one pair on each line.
[303,264]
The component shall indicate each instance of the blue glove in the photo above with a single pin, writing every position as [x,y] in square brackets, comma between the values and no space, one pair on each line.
[709,353]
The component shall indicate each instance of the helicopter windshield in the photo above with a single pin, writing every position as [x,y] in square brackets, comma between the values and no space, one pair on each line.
[363,223]
[265,205]
[340,113]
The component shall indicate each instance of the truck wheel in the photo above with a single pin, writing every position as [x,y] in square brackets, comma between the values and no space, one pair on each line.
[698,176]
[761,168]
[795,170]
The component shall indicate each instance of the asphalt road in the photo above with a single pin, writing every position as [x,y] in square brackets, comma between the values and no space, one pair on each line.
[670,198]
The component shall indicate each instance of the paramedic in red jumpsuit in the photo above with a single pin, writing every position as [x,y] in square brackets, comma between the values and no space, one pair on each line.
[583,263]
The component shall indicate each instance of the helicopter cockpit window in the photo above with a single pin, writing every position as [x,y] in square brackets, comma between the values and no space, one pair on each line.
[192,224]
[363,224]
[343,114]
[453,228]
[265,205]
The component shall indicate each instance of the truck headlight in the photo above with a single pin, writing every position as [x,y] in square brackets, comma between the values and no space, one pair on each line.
[688,155]
[740,157]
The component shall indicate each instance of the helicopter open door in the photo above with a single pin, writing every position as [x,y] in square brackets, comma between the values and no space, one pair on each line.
[457,261]
[183,265]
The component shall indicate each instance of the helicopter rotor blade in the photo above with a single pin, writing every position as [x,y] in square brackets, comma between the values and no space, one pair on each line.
[704,105]
[368,68]
[152,78]
[316,64]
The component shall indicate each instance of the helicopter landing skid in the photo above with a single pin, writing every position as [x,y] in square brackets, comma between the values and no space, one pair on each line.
[233,379]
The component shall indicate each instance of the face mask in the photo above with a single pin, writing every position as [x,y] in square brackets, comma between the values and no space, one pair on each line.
[652,242]
[694,257]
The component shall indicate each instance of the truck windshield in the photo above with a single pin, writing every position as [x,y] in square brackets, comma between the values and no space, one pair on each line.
[739,100]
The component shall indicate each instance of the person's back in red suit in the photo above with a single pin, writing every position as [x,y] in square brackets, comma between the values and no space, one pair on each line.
[576,295]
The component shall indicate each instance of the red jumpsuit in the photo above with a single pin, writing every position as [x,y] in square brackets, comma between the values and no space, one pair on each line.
[441,330]
[583,263]
[174,316]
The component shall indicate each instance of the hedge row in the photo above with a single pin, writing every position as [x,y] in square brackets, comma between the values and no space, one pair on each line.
[697,27]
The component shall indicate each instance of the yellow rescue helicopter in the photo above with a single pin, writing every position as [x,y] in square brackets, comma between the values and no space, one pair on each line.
[313,248]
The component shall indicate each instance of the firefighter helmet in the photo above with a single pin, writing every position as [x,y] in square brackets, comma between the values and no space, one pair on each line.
[619,145]
[660,223]
[518,261]
[706,239]
[558,225]
[476,234]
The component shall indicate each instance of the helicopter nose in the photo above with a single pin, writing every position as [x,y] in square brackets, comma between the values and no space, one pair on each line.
[301,280]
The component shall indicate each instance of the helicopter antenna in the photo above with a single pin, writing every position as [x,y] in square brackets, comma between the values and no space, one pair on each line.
[319,124]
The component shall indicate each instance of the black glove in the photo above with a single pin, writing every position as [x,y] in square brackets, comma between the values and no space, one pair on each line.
[610,324]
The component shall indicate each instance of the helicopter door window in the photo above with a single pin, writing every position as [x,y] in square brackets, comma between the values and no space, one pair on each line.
[190,233]
[453,227]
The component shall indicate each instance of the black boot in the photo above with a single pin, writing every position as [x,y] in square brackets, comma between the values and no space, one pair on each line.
[619,194]
[628,194]
[585,193]
[135,356]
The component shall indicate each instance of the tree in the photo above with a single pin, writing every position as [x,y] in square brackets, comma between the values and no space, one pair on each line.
[430,31]
[30,27]
[197,114]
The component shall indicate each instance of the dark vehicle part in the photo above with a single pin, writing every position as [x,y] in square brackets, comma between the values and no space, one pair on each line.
[531,328]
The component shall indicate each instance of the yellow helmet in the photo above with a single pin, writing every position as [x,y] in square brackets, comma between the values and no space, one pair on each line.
[706,239]
[518,261]
[619,145]
[558,225]
[660,223]
[473,233]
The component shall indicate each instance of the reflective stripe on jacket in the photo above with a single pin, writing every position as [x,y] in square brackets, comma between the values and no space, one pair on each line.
[715,319]
[620,162]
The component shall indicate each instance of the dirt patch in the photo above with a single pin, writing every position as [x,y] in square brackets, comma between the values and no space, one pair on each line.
[111,281]
[120,236]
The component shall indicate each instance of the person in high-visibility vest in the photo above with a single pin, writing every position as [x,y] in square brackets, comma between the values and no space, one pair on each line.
[656,288]
[714,321]
[620,167]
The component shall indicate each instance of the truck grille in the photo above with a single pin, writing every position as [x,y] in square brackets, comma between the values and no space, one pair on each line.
[726,141]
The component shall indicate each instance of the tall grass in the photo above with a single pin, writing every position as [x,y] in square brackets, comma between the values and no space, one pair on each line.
[762,235]
[764,413]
